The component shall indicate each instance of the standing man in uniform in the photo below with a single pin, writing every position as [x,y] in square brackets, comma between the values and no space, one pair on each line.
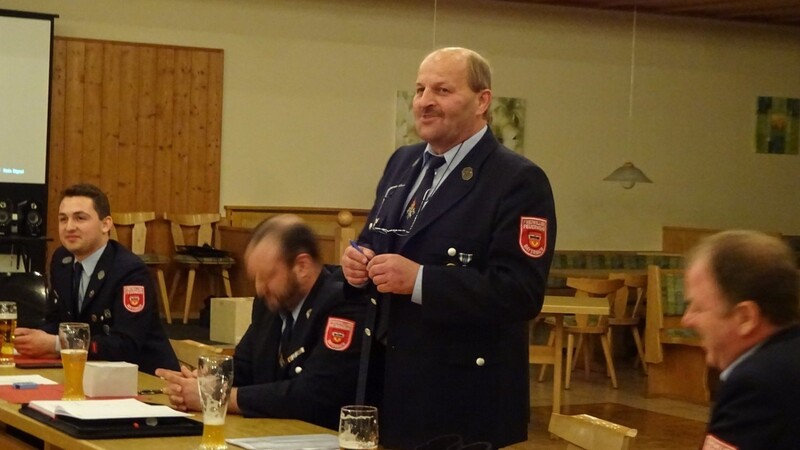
[299,357]
[456,254]
[742,290]
[98,281]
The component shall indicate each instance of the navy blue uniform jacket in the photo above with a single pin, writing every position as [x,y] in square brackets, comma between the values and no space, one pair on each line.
[757,406]
[121,329]
[458,363]
[320,376]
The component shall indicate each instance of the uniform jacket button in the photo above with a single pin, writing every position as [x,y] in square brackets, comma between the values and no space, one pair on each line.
[451,251]
[298,369]
[480,362]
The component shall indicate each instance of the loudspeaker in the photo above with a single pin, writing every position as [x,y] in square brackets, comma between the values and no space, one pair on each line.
[6,216]
[31,216]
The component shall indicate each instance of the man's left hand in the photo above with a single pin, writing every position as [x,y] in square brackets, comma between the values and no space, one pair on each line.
[393,273]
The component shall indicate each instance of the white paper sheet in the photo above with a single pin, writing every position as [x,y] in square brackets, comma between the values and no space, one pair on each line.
[38,379]
[292,442]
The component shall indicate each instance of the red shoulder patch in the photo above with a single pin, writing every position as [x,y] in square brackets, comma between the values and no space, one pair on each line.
[339,333]
[133,298]
[533,236]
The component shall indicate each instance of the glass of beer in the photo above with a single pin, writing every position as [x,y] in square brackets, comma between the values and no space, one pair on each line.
[74,338]
[358,427]
[8,323]
[214,381]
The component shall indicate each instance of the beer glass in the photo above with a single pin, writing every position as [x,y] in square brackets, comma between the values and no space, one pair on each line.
[74,338]
[358,428]
[8,323]
[214,381]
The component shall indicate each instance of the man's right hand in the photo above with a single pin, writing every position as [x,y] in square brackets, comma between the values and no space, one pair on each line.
[35,343]
[354,265]
[181,388]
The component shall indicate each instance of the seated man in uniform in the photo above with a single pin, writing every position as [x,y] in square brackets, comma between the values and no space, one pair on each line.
[299,357]
[96,280]
[742,290]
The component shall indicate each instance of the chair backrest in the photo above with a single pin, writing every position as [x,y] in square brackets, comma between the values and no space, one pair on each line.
[635,287]
[594,287]
[189,351]
[203,223]
[137,222]
[587,432]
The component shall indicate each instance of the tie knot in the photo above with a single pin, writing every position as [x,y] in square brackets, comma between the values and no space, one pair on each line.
[288,321]
[77,268]
[434,162]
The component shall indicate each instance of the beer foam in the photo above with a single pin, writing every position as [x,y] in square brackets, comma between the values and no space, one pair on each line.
[214,419]
[7,316]
[73,351]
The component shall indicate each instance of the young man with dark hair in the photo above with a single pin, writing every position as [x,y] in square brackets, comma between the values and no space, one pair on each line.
[98,281]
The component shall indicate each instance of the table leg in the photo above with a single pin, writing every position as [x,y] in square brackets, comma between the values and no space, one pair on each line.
[558,345]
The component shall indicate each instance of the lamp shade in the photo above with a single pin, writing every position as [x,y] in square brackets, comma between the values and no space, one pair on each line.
[628,175]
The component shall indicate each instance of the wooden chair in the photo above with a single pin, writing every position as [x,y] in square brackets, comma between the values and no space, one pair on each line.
[590,325]
[183,226]
[188,351]
[622,315]
[136,222]
[585,432]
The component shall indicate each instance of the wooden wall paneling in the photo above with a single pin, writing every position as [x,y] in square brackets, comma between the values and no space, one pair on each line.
[143,122]
[109,163]
[214,131]
[55,175]
[73,127]
[180,159]
[92,113]
[197,137]
[145,149]
[124,190]
[159,237]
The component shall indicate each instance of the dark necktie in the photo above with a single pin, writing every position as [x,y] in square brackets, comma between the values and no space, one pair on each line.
[422,193]
[77,272]
[286,335]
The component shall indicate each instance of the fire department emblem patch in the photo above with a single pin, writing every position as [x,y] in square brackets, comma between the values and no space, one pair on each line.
[533,236]
[133,298]
[339,333]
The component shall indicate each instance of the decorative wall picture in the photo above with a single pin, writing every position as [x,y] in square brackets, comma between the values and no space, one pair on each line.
[778,125]
[508,121]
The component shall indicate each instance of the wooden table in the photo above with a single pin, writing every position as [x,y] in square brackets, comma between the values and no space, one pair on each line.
[557,307]
[235,426]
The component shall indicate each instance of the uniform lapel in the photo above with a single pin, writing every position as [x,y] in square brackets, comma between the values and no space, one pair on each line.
[460,181]
[393,205]
[65,279]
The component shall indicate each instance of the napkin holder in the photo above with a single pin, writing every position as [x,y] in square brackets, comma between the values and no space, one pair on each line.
[110,379]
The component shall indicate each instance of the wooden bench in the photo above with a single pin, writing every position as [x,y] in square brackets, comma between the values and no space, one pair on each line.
[676,361]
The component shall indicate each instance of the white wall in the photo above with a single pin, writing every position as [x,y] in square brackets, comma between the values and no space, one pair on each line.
[310,85]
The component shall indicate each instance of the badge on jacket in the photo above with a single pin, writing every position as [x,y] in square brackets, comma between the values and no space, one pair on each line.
[533,236]
[339,333]
[133,298]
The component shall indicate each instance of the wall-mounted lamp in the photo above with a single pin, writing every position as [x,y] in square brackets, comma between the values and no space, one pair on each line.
[628,175]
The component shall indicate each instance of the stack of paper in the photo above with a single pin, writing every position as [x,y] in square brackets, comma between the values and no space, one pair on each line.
[128,408]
